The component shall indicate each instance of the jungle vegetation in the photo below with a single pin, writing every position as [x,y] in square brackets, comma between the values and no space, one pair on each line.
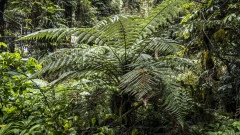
[120,67]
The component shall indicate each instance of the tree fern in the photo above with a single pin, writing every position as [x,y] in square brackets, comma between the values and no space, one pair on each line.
[119,56]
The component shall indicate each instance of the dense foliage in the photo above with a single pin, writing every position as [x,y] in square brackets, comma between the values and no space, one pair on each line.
[120,67]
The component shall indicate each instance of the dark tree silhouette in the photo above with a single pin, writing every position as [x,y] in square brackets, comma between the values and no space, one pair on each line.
[2,22]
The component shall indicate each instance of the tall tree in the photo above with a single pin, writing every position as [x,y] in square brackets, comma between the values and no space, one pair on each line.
[68,12]
[84,13]
[2,22]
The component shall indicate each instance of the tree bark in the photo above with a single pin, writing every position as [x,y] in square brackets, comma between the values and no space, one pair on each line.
[68,13]
[2,22]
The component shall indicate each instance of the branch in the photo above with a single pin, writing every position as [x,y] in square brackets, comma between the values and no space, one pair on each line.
[133,109]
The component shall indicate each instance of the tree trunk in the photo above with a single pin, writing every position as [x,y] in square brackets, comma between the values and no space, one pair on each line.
[80,14]
[2,22]
[68,13]
[120,105]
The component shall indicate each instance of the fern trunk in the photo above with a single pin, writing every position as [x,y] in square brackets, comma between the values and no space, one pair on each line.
[121,104]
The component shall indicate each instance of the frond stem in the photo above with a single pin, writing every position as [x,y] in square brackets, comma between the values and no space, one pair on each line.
[153,19]
[141,51]
[142,32]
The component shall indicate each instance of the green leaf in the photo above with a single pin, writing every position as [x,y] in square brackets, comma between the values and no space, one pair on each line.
[3,44]
[93,121]
[3,126]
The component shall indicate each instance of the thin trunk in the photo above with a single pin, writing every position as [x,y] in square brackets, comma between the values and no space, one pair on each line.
[2,22]
[11,44]
[68,13]
[80,14]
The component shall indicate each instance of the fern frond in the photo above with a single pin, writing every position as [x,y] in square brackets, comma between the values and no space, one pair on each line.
[177,102]
[61,78]
[161,15]
[176,63]
[142,80]
[164,46]
[50,34]
[136,82]
[79,60]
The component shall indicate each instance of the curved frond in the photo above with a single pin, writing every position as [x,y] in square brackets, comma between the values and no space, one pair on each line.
[177,102]
[138,82]
[78,60]
[49,34]
[162,15]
